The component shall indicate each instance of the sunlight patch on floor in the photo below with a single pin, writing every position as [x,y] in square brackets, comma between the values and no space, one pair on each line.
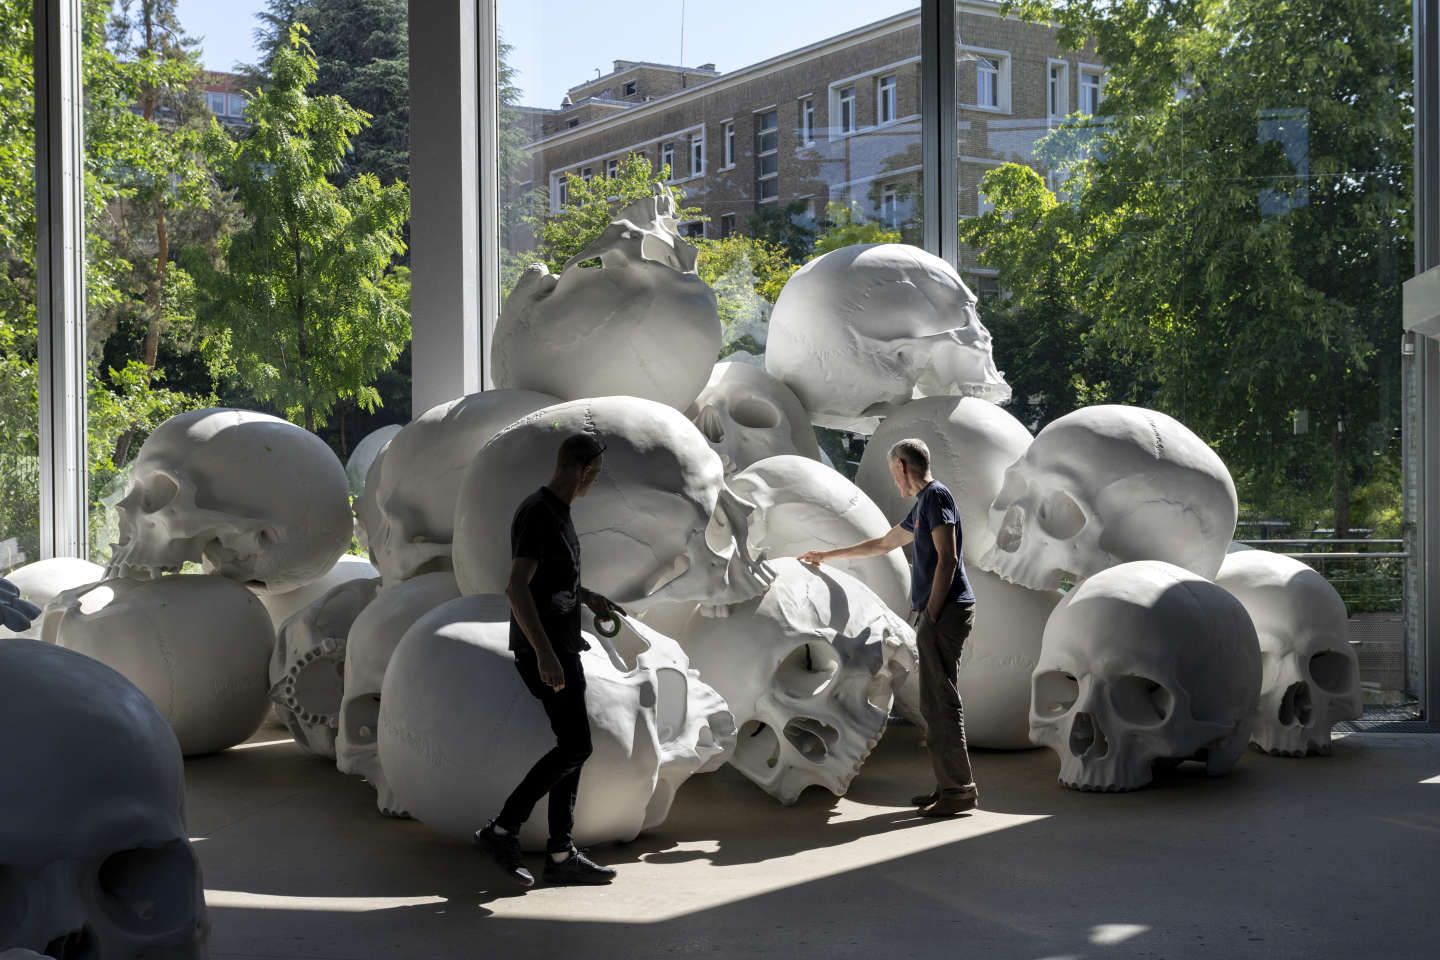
[241,900]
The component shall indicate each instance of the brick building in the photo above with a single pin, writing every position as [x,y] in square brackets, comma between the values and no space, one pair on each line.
[833,122]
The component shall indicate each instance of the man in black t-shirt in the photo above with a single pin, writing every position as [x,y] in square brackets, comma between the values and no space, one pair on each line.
[545,596]
[942,612]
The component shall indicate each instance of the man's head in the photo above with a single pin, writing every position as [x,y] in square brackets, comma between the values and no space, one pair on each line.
[910,466]
[580,457]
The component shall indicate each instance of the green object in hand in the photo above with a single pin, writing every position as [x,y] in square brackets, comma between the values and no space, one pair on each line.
[607,624]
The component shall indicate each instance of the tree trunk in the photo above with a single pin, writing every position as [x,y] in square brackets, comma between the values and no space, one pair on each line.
[157,306]
[1340,485]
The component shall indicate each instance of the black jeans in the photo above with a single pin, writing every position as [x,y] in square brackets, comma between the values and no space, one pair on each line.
[558,772]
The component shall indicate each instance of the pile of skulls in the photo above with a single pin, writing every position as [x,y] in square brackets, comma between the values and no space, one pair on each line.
[1114,625]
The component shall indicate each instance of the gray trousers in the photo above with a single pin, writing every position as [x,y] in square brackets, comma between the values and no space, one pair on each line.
[941,643]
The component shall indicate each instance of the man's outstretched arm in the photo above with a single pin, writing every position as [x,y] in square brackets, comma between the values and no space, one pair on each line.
[894,539]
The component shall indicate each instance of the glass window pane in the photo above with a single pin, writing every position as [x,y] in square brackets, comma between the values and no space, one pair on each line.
[197,294]
[19,413]
[1226,245]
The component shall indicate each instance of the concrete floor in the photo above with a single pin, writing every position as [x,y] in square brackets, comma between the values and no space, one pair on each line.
[1328,857]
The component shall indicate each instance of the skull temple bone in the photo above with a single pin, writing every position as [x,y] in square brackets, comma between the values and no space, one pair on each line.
[95,858]
[249,496]
[863,329]
[660,523]
[641,324]
[1106,485]
[1145,662]
[1311,673]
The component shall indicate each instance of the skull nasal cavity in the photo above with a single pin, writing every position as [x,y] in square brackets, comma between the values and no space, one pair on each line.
[1086,737]
[710,424]
[1295,705]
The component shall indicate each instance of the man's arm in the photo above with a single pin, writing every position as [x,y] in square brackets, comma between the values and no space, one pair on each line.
[946,565]
[894,539]
[522,605]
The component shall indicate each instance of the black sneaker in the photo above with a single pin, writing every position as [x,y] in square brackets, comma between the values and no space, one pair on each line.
[577,869]
[505,851]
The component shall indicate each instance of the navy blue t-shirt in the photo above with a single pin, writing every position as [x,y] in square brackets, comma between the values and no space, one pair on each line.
[543,531]
[934,505]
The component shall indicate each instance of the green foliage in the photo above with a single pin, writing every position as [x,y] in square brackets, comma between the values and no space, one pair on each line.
[843,229]
[747,274]
[307,293]
[1239,246]
[789,227]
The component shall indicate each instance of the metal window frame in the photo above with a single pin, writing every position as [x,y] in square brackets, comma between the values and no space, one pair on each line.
[60,276]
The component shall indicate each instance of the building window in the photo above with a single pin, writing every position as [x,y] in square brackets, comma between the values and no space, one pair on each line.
[807,120]
[847,110]
[573,123]
[890,206]
[987,84]
[697,154]
[564,189]
[667,159]
[586,173]
[727,140]
[727,225]
[1059,89]
[767,156]
[612,167]
[885,102]
[235,104]
[1092,91]
[629,88]
[694,230]
[216,103]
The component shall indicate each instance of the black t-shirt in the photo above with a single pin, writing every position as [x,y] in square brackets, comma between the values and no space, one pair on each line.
[934,506]
[543,531]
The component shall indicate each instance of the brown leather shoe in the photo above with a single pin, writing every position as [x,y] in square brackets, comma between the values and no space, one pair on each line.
[923,800]
[950,806]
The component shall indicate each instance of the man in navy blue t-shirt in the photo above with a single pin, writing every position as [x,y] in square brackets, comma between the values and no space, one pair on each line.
[942,611]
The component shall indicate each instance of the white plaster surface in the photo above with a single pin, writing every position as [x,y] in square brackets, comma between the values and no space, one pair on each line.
[458,728]
[408,507]
[283,606]
[972,443]
[642,323]
[44,580]
[863,329]
[1145,662]
[96,857]
[1311,673]
[196,645]
[748,415]
[804,505]
[364,454]
[1111,484]
[248,496]
[660,524]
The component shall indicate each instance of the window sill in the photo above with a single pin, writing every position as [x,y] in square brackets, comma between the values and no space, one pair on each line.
[728,166]
[1003,111]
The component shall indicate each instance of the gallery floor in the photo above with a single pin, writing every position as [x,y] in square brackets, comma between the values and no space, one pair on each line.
[1329,857]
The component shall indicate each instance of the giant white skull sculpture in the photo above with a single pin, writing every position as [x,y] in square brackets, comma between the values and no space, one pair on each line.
[458,729]
[307,668]
[863,329]
[283,606]
[748,415]
[1107,485]
[44,580]
[374,636]
[198,646]
[408,507]
[364,455]
[972,443]
[95,859]
[641,324]
[801,504]
[1311,673]
[1145,662]
[251,497]
[809,670]
[660,524]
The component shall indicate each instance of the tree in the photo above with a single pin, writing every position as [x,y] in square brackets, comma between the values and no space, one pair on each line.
[789,227]
[307,300]
[1243,194]
[842,229]
[746,274]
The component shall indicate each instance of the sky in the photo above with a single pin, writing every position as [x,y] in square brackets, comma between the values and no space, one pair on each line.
[561,43]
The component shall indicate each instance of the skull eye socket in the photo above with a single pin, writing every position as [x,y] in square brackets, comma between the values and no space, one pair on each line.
[1055,693]
[1141,701]
[1060,516]
[807,670]
[755,413]
[144,887]
[157,493]
[1332,672]
[14,902]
